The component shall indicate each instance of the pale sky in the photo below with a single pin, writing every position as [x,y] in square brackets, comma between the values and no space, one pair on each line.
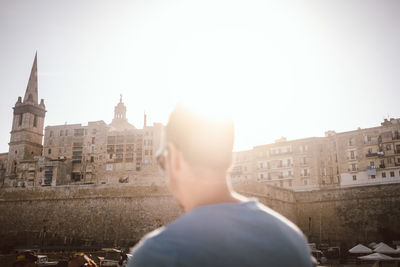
[280,68]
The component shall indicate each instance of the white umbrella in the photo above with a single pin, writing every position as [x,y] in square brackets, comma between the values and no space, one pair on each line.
[377,245]
[372,245]
[360,249]
[376,257]
[383,248]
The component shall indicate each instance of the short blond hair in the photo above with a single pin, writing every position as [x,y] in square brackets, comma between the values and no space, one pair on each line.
[204,141]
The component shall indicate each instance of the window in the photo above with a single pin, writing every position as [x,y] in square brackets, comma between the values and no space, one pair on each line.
[373,176]
[383,174]
[261,176]
[111,139]
[61,132]
[388,147]
[354,177]
[290,183]
[281,183]
[93,138]
[389,160]
[35,121]
[353,167]
[59,150]
[371,163]
[91,159]
[305,182]
[49,151]
[351,142]
[391,174]
[20,120]
[352,155]
[79,132]
[51,133]
[66,132]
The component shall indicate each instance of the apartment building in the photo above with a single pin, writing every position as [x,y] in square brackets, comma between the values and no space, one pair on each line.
[370,156]
[361,157]
[242,166]
[298,164]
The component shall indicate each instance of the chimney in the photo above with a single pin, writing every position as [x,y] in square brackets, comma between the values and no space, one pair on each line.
[144,120]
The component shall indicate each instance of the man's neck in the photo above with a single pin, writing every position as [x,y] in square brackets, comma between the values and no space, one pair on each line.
[208,192]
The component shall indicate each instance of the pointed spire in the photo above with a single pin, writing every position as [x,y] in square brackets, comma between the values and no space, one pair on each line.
[31,94]
[120,98]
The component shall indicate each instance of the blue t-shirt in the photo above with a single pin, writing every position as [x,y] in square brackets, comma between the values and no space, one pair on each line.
[226,234]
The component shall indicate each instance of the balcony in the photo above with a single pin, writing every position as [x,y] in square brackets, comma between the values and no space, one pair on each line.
[382,166]
[352,158]
[371,142]
[280,153]
[371,155]
[282,166]
[76,159]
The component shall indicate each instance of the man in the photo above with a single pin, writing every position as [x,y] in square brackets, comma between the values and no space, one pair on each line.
[220,227]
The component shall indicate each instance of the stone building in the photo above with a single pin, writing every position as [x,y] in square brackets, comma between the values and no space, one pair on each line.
[96,153]
[369,156]
[26,135]
[361,157]
[101,153]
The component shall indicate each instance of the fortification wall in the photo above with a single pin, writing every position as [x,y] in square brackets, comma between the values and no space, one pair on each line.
[279,199]
[101,215]
[350,215]
[109,215]
[83,215]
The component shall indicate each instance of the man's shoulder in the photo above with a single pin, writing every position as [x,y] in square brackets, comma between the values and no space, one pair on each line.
[153,250]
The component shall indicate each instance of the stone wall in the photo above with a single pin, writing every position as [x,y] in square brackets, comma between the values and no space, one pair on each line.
[83,215]
[109,215]
[350,215]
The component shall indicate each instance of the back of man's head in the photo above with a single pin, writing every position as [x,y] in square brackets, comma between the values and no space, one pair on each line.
[205,141]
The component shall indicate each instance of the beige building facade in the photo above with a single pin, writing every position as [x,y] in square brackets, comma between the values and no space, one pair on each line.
[362,157]
[96,153]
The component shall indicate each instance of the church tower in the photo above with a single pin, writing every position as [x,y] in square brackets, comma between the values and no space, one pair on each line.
[27,126]
[120,122]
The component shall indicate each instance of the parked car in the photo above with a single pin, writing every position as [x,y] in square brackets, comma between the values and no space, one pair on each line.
[319,256]
[113,258]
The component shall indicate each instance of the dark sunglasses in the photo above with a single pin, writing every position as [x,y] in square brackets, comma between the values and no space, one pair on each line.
[161,158]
